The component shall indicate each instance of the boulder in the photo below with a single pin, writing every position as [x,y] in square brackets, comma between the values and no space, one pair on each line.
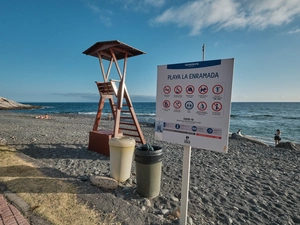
[104,182]
[3,142]
[247,138]
[236,136]
[287,145]
[9,104]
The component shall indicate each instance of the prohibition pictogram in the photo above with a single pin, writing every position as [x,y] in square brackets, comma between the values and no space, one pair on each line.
[178,89]
[202,106]
[189,105]
[177,104]
[167,89]
[190,89]
[217,89]
[216,106]
[166,103]
[203,89]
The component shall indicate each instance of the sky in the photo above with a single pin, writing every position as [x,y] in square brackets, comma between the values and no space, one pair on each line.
[42,41]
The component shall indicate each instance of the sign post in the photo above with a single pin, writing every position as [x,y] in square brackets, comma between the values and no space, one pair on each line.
[193,109]
[185,184]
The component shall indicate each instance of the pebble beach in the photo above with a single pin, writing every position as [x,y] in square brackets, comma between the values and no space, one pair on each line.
[253,183]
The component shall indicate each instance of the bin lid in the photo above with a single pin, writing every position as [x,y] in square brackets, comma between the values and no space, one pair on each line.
[123,141]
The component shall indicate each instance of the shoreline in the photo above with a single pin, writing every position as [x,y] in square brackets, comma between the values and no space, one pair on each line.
[143,123]
[251,184]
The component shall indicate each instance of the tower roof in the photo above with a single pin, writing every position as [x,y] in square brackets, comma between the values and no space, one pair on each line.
[120,49]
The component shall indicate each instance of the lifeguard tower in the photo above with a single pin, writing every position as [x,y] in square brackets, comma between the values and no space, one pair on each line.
[123,115]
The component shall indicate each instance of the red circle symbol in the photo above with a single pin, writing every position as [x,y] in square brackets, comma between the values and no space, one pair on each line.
[203,89]
[177,104]
[166,103]
[178,89]
[216,106]
[190,89]
[217,89]
[167,89]
[202,106]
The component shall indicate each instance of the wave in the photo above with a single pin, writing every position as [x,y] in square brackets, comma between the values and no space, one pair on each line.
[253,116]
[105,113]
[262,116]
[88,113]
[291,117]
[146,114]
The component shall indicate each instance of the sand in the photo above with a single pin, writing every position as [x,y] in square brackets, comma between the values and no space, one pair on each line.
[251,184]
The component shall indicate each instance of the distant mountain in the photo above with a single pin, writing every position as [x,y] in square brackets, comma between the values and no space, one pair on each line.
[9,104]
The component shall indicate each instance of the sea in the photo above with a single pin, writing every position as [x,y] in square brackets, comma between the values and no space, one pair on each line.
[259,120]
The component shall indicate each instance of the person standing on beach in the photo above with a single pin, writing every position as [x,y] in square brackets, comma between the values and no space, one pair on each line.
[277,137]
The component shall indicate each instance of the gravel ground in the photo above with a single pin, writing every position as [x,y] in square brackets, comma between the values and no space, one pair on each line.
[251,184]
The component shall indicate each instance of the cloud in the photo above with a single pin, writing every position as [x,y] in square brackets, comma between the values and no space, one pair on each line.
[295,31]
[143,98]
[144,6]
[103,14]
[155,3]
[230,14]
[82,96]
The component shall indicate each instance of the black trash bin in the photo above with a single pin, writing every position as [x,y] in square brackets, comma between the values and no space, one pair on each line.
[148,171]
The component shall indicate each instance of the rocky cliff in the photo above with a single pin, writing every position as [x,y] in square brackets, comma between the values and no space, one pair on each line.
[9,104]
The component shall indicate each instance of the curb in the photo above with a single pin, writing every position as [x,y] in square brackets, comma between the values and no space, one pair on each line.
[18,202]
[23,208]
[10,214]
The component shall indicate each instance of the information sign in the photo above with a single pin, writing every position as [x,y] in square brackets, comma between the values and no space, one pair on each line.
[193,103]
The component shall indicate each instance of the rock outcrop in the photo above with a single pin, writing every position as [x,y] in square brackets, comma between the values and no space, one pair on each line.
[9,104]
[244,137]
[288,145]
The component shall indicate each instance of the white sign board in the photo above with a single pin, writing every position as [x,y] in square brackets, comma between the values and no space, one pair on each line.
[193,103]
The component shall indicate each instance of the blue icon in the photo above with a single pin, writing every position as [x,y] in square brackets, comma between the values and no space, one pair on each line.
[177,126]
[210,130]
[189,105]
[194,128]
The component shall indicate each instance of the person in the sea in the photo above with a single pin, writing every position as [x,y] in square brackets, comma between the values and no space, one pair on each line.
[277,137]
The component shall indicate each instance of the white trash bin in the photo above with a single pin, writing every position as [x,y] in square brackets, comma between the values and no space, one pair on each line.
[121,151]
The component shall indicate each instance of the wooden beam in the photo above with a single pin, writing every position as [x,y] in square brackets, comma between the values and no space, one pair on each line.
[101,66]
[109,68]
[121,50]
[99,113]
[104,54]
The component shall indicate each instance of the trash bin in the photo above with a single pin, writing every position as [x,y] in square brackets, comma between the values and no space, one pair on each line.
[148,171]
[121,151]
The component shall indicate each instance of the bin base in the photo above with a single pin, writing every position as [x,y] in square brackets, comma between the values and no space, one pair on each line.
[98,141]
[148,178]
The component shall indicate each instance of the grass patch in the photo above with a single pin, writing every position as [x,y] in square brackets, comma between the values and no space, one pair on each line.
[54,199]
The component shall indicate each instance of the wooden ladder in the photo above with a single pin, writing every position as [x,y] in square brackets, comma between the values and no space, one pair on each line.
[125,118]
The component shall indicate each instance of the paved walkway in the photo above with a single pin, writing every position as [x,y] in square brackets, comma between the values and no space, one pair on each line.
[10,215]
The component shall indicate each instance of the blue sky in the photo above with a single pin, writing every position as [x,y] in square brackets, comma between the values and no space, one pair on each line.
[42,42]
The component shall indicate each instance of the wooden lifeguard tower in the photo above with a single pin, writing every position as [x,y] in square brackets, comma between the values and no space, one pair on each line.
[123,115]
